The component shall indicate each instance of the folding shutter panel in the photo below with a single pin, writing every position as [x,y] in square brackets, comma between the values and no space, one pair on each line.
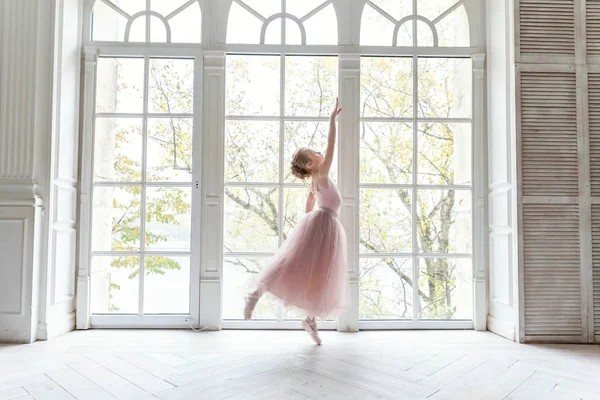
[547,27]
[594,135]
[596,267]
[593,27]
[551,260]
[549,134]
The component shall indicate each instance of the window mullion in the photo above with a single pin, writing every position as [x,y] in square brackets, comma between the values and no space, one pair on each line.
[414,209]
[281,142]
[143,180]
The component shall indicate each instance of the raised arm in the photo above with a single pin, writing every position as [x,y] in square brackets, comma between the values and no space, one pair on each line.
[326,166]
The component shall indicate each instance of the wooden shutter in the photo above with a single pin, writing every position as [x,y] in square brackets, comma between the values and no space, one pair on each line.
[596,266]
[592,17]
[547,27]
[551,261]
[549,156]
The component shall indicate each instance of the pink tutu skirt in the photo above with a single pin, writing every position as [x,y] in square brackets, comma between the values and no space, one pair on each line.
[309,269]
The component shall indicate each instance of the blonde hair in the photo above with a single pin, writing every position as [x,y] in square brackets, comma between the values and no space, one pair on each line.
[299,162]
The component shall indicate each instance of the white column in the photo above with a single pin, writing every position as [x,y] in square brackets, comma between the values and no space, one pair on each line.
[85,198]
[213,147]
[348,139]
[479,195]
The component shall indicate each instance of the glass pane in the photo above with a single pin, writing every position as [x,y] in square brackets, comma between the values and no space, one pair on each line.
[447,288]
[166,7]
[386,288]
[311,85]
[107,24]
[120,85]
[171,86]
[424,34]
[166,285]
[273,32]
[158,30]
[444,224]
[252,85]
[444,154]
[242,26]
[292,32]
[116,219]
[454,29]
[294,201]
[168,219]
[169,147]
[433,9]
[137,32]
[385,221]
[239,276]
[118,150]
[312,134]
[301,8]
[322,27]
[251,151]
[131,7]
[266,8]
[386,87]
[375,29]
[405,34]
[115,285]
[398,9]
[251,220]
[445,87]
[186,27]
[386,152]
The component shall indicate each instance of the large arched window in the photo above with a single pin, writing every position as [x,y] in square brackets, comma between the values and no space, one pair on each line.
[439,23]
[282,22]
[169,21]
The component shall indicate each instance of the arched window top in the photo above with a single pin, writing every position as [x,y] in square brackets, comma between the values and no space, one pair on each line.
[260,22]
[166,21]
[436,23]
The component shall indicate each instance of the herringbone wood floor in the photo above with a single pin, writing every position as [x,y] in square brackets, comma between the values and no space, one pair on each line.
[150,364]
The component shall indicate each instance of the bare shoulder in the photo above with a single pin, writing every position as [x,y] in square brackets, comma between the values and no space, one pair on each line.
[322,181]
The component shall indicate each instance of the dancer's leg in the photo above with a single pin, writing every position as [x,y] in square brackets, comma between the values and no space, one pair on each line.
[251,300]
[310,326]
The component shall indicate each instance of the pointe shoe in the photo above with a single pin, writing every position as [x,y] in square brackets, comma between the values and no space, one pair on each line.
[310,326]
[251,300]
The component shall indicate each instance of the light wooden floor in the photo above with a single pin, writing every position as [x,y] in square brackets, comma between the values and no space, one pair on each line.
[150,364]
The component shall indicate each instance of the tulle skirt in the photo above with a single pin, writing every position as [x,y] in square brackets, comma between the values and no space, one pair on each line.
[309,269]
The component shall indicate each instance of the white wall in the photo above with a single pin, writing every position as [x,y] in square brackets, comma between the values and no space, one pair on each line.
[38,159]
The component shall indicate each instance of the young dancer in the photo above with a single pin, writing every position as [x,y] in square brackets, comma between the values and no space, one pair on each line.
[309,269]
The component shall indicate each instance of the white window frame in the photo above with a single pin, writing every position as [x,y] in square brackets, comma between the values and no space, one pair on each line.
[208,207]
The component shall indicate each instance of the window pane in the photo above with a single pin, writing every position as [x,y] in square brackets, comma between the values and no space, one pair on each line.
[186,27]
[386,152]
[116,219]
[292,32]
[294,201]
[251,220]
[131,7]
[169,147]
[266,8]
[377,30]
[118,150]
[447,288]
[120,85]
[322,27]
[242,26]
[385,221]
[158,30]
[444,224]
[107,24]
[171,86]
[252,85]
[115,285]
[445,87]
[454,29]
[424,34]
[444,154]
[273,32]
[312,134]
[166,285]
[386,288]
[239,275]
[301,8]
[386,87]
[311,85]
[137,32]
[168,219]
[252,151]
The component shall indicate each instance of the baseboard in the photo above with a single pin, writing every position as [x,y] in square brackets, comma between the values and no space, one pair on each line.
[501,328]
[56,327]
